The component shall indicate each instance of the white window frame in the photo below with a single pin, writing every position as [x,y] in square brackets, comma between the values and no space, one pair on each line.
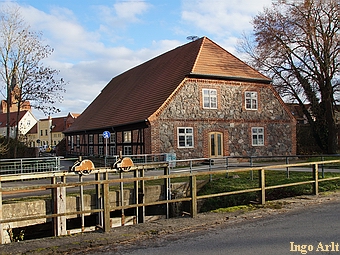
[90,138]
[185,137]
[127,150]
[78,141]
[209,98]
[251,100]
[112,138]
[257,136]
[91,150]
[127,136]
[100,139]
[112,150]
[101,150]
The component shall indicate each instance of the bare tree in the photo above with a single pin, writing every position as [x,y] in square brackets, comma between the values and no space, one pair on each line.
[297,44]
[21,55]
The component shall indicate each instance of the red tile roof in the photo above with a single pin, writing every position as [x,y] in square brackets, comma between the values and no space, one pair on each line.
[33,130]
[59,124]
[136,94]
[12,117]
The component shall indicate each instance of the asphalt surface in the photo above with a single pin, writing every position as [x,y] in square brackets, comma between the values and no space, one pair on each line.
[318,228]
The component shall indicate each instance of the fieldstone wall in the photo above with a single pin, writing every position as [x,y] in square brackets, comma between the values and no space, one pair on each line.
[230,118]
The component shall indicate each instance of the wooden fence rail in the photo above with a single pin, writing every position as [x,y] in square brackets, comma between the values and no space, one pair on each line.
[103,208]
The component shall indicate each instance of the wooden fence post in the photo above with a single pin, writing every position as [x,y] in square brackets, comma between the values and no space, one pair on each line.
[136,196]
[54,206]
[2,237]
[262,181]
[316,179]
[59,206]
[99,200]
[142,187]
[193,189]
[167,191]
[106,198]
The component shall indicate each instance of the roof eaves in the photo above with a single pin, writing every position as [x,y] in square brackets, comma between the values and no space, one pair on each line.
[70,131]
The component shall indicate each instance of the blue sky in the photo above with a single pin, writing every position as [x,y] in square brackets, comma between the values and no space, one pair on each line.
[95,40]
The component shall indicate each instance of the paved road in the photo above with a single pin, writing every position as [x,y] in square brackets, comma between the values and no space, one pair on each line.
[316,228]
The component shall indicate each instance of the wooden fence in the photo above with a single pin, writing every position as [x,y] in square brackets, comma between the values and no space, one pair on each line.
[102,183]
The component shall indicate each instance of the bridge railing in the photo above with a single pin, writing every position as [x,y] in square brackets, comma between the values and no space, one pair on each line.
[29,165]
[48,164]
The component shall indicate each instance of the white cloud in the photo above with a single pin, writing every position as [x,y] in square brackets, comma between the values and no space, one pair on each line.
[122,13]
[88,58]
[219,17]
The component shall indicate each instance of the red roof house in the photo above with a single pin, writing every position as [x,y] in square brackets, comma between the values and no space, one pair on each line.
[197,100]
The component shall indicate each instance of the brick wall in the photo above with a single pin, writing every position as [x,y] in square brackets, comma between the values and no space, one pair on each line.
[230,118]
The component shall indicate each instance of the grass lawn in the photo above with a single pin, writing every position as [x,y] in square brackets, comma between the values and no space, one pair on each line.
[244,180]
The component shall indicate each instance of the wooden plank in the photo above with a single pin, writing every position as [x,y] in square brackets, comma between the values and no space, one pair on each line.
[193,189]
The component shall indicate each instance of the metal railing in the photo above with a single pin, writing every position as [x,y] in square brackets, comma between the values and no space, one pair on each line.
[50,164]
[29,165]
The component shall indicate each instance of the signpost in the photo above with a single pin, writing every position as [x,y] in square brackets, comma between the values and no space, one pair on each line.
[106,135]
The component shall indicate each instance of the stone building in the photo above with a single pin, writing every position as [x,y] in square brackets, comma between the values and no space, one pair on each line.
[197,100]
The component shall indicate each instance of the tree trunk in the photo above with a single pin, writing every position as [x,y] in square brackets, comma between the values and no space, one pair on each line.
[8,124]
[332,131]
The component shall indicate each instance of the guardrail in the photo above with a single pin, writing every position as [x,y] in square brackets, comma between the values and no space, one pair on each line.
[103,208]
[50,164]
[29,165]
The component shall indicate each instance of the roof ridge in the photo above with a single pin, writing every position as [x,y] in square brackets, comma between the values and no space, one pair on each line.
[214,60]
[199,52]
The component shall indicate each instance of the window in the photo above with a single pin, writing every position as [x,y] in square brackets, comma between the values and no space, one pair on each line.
[209,98]
[112,139]
[127,137]
[112,150]
[45,131]
[101,150]
[90,150]
[100,139]
[251,100]
[257,134]
[127,150]
[41,133]
[185,137]
[78,141]
[90,139]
